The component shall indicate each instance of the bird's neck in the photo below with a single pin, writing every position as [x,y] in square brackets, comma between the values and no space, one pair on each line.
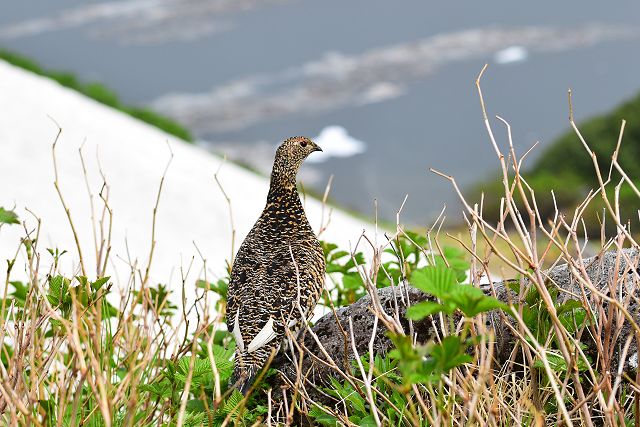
[282,181]
[284,211]
[283,192]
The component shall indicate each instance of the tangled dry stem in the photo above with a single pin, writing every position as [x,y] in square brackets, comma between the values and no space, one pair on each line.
[501,387]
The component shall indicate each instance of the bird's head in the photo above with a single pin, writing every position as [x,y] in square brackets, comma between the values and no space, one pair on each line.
[289,157]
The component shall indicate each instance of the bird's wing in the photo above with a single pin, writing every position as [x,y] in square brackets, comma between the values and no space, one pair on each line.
[243,274]
[278,292]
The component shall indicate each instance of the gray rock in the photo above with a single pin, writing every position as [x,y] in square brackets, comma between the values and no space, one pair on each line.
[611,275]
[605,271]
[334,333]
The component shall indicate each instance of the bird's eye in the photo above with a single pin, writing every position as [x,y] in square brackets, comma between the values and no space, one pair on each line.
[303,143]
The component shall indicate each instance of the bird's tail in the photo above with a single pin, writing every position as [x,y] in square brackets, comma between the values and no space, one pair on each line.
[242,380]
[248,366]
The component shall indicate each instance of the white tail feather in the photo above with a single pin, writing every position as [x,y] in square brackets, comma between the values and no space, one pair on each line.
[266,334]
[237,334]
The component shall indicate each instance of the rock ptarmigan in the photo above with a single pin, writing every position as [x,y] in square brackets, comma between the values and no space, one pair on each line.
[278,272]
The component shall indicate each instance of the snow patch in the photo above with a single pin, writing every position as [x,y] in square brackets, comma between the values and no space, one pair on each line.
[335,141]
[133,156]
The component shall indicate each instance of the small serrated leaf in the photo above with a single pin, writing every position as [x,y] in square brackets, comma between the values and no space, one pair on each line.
[557,362]
[472,301]
[8,217]
[568,306]
[100,283]
[58,287]
[423,309]
[367,421]
[352,281]
[434,280]
[232,404]
[322,417]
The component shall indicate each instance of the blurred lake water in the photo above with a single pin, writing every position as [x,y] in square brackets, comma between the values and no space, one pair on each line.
[388,85]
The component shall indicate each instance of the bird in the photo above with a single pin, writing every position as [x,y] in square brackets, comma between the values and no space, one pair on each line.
[278,272]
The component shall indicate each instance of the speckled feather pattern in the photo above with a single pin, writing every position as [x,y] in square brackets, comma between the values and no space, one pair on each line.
[279,263]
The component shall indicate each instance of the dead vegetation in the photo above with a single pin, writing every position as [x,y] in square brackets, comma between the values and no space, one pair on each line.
[70,357]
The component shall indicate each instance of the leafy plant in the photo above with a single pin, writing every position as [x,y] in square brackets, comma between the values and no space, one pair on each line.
[537,318]
[220,288]
[341,267]
[388,383]
[8,217]
[158,297]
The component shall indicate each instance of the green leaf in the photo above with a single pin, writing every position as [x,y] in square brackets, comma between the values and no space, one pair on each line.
[196,406]
[232,404]
[194,419]
[224,361]
[347,393]
[435,280]
[219,337]
[99,283]
[418,239]
[160,388]
[328,247]
[108,310]
[351,263]
[368,421]
[472,301]
[159,299]
[356,401]
[8,217]
[568,306]
[513,284]
[202,370]
[557,362]
[319,415]
[423,309]
[441,282]
[334,256]
[58,290]
[449,354]
[352,281]
[410,359]
[220,287]
[572,316]
[56,325]
[19,293]
[453,253]
[533,296]
[457,260]
[201,375]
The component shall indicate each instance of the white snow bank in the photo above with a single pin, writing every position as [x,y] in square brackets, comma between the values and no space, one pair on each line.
[335,141]
[133,157]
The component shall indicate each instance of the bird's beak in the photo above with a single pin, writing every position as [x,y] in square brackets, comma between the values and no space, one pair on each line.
[316,148]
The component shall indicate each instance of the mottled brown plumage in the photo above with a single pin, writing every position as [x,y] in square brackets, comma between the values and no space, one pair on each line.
[278,272]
